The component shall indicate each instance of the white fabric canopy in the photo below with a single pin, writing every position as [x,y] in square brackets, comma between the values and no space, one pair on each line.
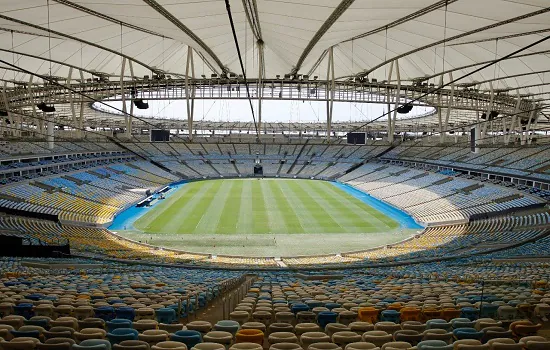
[93,34]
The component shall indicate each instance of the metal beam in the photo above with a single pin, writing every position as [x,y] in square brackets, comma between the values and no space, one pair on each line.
[439,111]
[75,39]
[253,18]
[273,89]
[261,67]
[15,31]
[50,60]
[38,121]
[338,11]
[108,18]
[190,91]
[397,101]
[72,104]
[428,77]
[123,96]
[513,121]
[330,90]
[407,18]
[534,127]
[502,37]
[10,117]
[455,37]
[170,17]
[488,112]
[451,98]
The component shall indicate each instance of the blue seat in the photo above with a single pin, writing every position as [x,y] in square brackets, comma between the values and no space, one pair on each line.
[166,315]
[326,317]
[121,334]
[467,333]
[470,313]
[42,322]
[489,311]
[106,313]
[390,316]
[118,323]
[331,306]
[24,310]
[125,312]
[34,297]
[188,337]
[227,326]
[299,307]
[21,334]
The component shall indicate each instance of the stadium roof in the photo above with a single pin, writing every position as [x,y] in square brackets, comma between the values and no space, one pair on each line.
[428,36]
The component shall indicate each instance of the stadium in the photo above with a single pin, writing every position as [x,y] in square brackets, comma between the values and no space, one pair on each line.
[275,174]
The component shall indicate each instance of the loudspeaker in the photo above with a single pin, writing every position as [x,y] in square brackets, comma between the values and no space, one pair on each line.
[406,108]
[45,108]
[140,104]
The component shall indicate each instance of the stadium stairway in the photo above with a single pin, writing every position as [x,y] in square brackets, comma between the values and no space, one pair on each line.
[289,171]
[236,169]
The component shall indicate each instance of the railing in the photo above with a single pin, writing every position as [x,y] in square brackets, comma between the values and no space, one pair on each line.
[273,89]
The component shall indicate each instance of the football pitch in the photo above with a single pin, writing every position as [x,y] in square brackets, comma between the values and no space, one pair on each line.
[266,206]
[267,217]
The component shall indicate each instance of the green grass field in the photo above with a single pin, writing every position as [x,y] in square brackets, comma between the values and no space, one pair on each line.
[267,206]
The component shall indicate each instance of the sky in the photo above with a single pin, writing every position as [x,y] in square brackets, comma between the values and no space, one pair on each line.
[272,111]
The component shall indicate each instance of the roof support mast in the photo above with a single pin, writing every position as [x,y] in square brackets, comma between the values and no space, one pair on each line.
[260,88]
[127,117]
[388,100]
[190,91]
[330,90]
[39,122]
[76,131]
[391,124]
[443,126]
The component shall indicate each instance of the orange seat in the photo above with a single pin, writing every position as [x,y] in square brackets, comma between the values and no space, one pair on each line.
[449,314]
[430,314]
[368,314]
[395,306]
[250,336]
[410,314]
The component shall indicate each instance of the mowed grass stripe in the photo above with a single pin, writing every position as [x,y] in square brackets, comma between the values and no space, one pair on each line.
[176,208]
[231,210]
[277,222]
[360,216]
[324,218]
[306,219]
[292,221]
[260,218]
[313,218]
[245,223]
[347,219]
[214,212]
[150,219]
[189,216]
[357,205]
